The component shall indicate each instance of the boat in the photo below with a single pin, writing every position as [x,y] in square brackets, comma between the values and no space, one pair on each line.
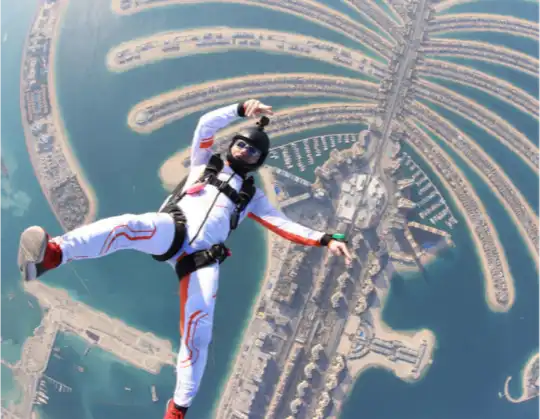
[154,394]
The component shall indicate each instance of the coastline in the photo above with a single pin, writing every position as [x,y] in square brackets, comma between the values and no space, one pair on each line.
[173,170]
[369,36]
[126,55]
[59,123]
[494,125]
[374,326]
[60,131]
[519,222]
[489,287]
[413,338]
[524,375]
[490,85]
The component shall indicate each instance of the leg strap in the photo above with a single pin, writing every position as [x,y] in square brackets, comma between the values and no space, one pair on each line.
[179,234]
[197,260]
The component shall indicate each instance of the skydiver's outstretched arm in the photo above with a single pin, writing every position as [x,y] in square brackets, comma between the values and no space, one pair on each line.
[262,211]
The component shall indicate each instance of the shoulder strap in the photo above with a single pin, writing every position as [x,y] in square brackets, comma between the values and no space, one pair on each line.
[214,166]
[246,194]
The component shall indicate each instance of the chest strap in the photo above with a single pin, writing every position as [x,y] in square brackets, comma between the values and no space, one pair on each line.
[240,199]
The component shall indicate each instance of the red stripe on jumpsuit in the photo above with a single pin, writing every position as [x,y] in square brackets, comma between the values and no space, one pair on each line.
[153,231]
[189,342]
[184,287]
[285,234]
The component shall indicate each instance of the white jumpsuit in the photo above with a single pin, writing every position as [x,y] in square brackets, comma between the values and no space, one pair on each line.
[208,218]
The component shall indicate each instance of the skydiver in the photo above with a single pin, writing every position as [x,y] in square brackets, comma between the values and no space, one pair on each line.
[188,232]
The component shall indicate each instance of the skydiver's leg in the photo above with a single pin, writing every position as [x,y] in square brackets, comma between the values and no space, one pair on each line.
[197,301]
[150,233]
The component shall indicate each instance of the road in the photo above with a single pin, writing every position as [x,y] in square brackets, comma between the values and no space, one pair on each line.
[405,63]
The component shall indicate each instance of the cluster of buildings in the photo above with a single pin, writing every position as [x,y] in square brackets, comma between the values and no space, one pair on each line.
[308,10]
[457,73]
[533,379]
[463,22]
[302,309]
[489,52]
[257,86]
[480,115]
[394,350]
[266,40]
[56,176]
[507,190]
[377,14]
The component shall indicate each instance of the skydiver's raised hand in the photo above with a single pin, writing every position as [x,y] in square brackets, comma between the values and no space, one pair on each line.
[254,108]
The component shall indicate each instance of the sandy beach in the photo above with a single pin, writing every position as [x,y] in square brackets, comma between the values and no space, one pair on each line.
[490,53]
[447,4]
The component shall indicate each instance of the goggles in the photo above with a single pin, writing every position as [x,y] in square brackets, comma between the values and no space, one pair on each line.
[252,151]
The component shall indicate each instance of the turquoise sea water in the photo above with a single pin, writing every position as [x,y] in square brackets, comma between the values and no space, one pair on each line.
[18,318]
[520,174]
[476,348]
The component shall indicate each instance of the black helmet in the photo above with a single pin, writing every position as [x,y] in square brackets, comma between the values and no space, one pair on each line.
[256,137]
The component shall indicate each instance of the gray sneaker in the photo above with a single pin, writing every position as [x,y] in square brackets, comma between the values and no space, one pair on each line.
[32,247]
